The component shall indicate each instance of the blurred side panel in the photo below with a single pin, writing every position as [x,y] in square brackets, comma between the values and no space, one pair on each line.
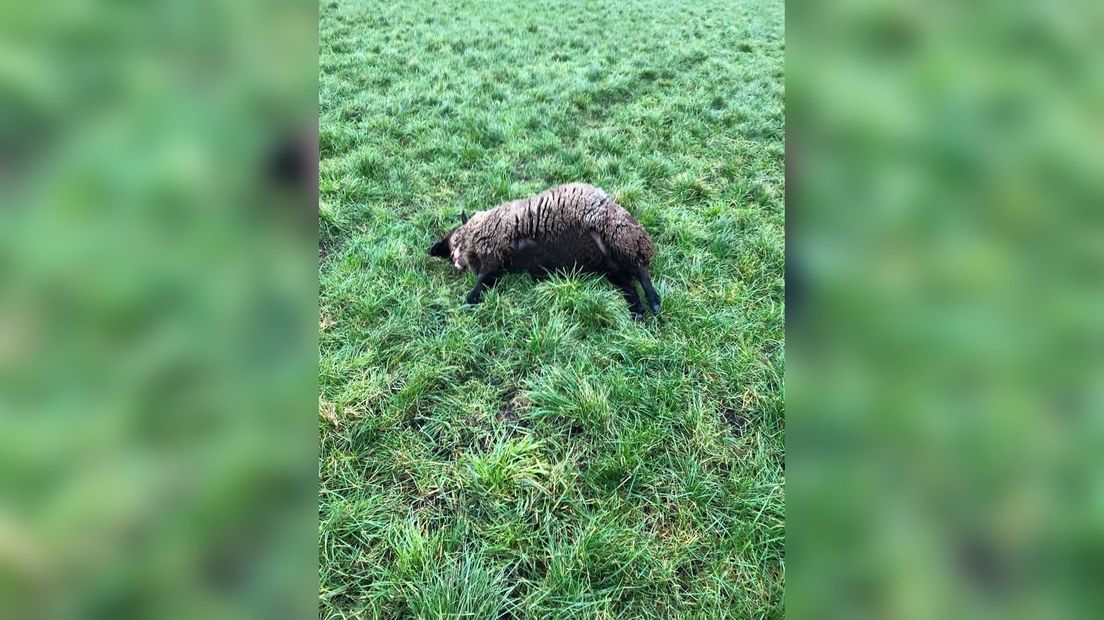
[158,309]
[944,325]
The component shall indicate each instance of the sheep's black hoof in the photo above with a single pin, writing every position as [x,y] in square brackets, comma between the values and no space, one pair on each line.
[655,309]
[471,300]
[637,315]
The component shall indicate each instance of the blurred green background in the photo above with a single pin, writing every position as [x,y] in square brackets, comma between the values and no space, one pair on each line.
[943,319]
[158,299]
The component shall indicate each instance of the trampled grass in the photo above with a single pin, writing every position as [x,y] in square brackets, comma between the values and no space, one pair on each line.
[541,455]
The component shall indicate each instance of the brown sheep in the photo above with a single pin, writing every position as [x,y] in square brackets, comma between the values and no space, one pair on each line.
[573,226]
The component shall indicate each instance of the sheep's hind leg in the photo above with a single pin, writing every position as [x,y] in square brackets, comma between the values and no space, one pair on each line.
[649,290]
[482,282]
[624,282]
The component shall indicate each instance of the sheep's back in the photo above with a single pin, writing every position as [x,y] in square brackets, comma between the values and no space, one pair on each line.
[556,211]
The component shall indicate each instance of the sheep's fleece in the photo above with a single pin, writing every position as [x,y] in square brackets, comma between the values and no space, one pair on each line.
[557,213]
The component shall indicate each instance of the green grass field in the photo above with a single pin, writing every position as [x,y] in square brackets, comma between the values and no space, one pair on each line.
[540,455]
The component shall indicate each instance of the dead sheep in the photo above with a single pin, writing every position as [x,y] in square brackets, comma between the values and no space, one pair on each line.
[573,226]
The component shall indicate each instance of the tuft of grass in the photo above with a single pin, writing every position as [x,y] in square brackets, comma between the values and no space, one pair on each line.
[542,455]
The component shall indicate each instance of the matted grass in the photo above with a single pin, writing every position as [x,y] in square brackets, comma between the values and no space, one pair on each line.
[541,455]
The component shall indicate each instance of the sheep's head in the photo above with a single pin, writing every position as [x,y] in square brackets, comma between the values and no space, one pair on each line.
[450,248]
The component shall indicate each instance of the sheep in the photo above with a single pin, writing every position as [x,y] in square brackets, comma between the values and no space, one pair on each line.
[573,226]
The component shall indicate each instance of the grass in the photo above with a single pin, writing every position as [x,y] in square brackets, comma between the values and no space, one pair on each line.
[541,455]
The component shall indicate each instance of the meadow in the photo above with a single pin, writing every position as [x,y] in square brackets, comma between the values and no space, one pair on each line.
[541,455]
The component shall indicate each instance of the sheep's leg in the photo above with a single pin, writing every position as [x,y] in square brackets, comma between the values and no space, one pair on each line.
[649,290]
[624,282]
[483,281]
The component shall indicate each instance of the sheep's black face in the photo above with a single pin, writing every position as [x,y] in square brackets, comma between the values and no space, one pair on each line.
[440,249]
[443,248]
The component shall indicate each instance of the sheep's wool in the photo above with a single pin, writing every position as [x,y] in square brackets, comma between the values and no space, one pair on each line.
[493,234]
[457,258]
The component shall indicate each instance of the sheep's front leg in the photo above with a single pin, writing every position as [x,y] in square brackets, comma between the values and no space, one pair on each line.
[483,281]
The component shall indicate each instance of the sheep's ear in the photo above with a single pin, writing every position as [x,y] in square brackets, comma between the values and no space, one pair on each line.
[463,217]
